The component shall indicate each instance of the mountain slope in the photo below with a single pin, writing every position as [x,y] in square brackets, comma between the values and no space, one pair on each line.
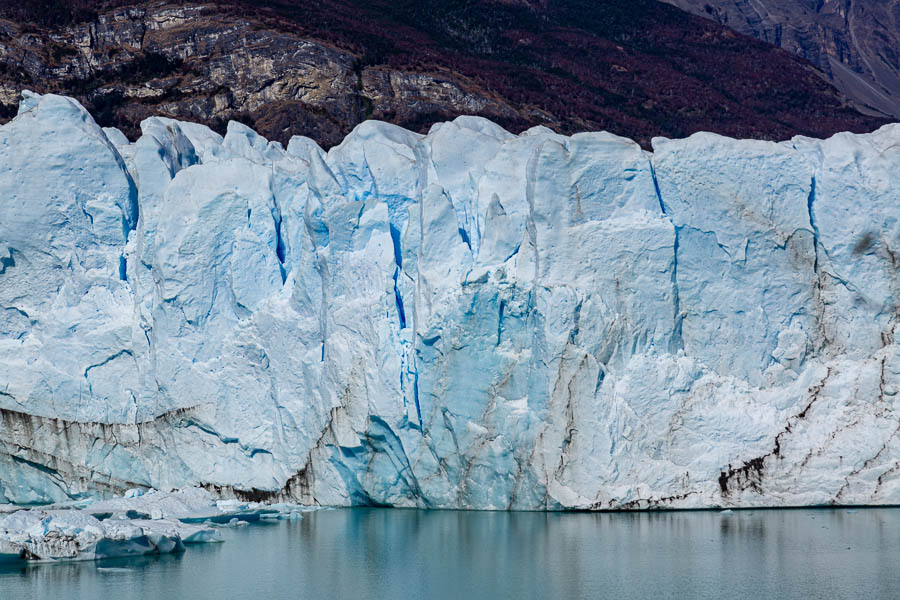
[639,69]
[856,43]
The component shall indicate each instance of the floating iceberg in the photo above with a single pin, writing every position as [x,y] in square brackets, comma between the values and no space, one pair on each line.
[55,535]
[466,319]
[133,524]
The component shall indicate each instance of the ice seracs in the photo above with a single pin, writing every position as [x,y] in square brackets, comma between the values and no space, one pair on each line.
[465,319]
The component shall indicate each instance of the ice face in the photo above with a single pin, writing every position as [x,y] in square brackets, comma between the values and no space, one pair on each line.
[466,319]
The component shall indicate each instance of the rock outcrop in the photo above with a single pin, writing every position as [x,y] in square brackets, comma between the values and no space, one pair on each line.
[318,69]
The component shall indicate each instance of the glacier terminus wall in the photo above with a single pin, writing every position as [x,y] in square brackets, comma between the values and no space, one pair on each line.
[466,319]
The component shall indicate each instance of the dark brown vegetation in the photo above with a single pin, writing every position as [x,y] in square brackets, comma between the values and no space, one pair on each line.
[856,43]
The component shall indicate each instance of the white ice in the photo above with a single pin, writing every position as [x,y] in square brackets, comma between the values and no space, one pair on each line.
[466,319]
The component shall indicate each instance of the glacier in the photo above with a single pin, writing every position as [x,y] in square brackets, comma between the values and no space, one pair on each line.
[463,319]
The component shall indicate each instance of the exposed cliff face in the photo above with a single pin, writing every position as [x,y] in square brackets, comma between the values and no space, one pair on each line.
[467,319]
[639,69]
[856,43]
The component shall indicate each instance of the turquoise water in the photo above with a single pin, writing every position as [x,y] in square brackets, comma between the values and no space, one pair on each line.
[410,554]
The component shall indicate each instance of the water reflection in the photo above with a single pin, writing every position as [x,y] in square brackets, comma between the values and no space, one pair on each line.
[382,553]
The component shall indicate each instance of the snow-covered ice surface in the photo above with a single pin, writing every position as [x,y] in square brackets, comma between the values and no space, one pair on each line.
[467,319]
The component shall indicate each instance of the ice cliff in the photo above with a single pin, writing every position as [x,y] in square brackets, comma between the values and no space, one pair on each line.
[465,319]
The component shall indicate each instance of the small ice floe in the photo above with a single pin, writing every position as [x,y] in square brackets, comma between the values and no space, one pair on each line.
[189,505]
[293,512]
[727,511]
[114,570]
[235,522]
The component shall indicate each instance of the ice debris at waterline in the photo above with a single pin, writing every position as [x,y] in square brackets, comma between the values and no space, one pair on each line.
[134,525]
[466,319]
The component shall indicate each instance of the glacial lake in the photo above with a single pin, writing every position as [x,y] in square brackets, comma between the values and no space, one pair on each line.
[409,554]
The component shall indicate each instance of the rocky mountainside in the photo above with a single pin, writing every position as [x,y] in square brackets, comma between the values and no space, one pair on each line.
[639,69]
[855,42]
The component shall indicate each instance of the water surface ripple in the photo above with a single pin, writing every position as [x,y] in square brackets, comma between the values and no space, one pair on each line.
[410,554]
